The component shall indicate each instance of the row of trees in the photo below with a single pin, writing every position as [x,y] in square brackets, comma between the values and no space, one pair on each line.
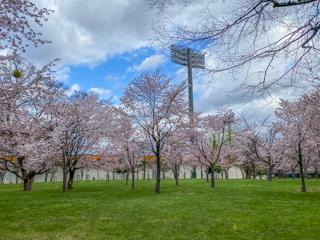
[288,145]
[43,129]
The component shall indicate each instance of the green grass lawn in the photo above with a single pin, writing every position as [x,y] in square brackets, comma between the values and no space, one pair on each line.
[237,209]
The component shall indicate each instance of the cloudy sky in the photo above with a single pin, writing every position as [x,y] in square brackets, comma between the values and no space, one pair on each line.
[102,45]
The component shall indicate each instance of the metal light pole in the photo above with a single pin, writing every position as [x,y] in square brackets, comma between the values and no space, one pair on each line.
[191,59]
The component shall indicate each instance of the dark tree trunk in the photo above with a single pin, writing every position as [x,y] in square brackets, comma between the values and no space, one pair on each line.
[176,174]
[52,176]
[127,177]
[316,171]
[107,177]
[242,173]
[2,174]
[158,163]
[27,183]
[71,178]
[254,173]
[270,169]
[201,174]
[248,173]
[300,162]
[81,174]
[213,185]
[194,173]
[226,174]
[144,169]
[207,174]
[132,179]
[65,181]
[46,177]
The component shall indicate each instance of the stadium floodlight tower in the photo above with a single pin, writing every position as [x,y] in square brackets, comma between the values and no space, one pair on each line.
[191,59]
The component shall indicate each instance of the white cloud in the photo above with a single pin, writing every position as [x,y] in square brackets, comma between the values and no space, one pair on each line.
[89,32]
[101,92]
[73,89]
[62,74]
[149,63]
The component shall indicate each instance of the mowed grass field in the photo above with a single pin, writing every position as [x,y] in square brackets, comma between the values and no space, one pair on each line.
[236,209]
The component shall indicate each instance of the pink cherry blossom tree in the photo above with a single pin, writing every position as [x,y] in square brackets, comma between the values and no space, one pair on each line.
[177,153]
[258,143]
[211,138]
[18,20]
[127,144]
[25,123]
[313,102]
[158,107]
[80,126]
[291,123]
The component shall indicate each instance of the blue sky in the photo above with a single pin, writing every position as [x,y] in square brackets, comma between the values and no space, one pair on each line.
[102,45]
[114,74]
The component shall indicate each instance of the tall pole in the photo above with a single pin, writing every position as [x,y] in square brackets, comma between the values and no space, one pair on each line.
[190,85]
[190,91]
[191,59]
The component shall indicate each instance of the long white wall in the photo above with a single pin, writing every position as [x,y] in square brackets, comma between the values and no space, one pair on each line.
[95,174]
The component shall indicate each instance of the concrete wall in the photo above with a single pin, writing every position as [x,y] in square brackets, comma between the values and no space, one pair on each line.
[95,174]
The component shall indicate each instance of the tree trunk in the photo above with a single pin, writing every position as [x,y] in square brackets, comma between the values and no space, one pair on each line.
[270,168]
[317,173]
[27,183]
[248,173]
[2,177]
[65,181]
[226,174]
[293,174]
[300,162]
[194,173]
[132,179]
[242,173]
[81,174]
[212,177]
[127,177]
[52,177]
[207,174]
[201,174]
[107,177]
[46,177]
[176,174]
[71,178]
[254,173]
[144,169]
[158,163]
